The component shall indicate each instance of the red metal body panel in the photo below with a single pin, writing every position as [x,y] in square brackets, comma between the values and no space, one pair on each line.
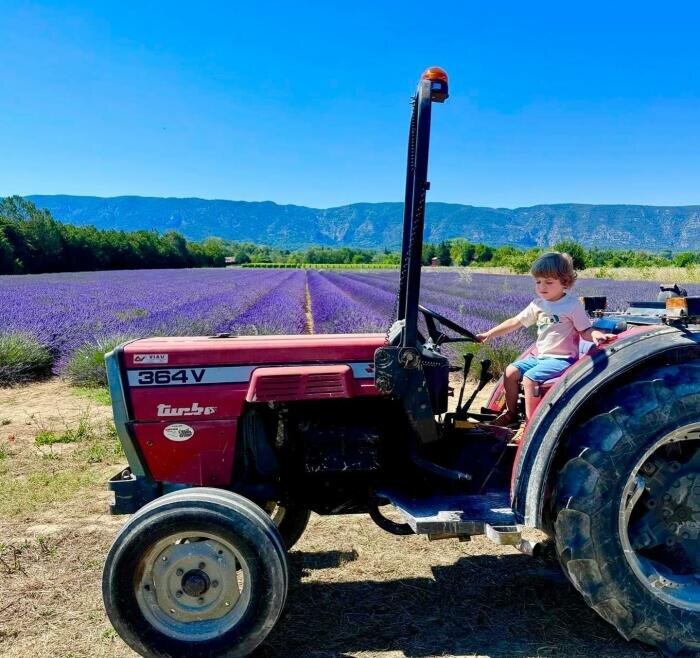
[168,403]
[202,351]
[204,459]
[203,383]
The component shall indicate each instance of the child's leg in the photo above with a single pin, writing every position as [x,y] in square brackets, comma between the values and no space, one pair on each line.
[529,387]
[511,385]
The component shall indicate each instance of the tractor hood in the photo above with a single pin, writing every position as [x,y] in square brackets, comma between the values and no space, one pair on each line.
[251,350]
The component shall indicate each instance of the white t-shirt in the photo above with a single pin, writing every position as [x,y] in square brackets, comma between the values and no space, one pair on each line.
[558,324]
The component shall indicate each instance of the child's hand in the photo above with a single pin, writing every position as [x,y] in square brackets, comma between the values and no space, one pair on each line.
[599,337]
[484,338]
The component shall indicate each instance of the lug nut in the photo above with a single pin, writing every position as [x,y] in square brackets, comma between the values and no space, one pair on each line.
[202,565]
[201,599]
[215,583]
[178,593]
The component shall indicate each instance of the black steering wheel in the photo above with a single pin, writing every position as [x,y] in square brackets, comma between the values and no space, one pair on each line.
[438,337]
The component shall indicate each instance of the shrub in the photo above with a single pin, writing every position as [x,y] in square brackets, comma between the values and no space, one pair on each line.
[86,366]
[575,250]
[23,359]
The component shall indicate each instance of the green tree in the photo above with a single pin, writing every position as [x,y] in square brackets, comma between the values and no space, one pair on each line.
[443,254]
[575,250]
[686,258]
[483,253]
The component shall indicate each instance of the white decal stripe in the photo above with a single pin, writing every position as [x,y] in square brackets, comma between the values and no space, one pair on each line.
[217,375]
[221,374]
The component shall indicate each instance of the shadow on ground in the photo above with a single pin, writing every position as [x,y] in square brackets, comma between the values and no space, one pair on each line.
[507,606]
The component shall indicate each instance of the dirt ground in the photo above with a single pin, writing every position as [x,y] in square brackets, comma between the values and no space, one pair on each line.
[355,590]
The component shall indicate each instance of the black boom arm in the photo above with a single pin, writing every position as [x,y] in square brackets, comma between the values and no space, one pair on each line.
[431,88]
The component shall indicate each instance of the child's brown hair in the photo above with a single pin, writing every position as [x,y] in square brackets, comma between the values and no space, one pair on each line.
[555,265]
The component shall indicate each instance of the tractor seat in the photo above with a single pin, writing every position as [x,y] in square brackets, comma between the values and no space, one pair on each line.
[585,347]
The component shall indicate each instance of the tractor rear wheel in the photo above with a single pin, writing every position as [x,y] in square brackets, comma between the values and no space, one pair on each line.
[199,572]
[291,521]
[626,508]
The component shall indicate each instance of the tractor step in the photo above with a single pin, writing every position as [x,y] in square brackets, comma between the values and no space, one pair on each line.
[459,515]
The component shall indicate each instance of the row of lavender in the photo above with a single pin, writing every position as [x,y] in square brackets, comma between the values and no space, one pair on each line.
[65,311]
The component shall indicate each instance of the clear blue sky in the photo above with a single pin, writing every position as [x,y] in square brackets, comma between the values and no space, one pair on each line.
[307,102]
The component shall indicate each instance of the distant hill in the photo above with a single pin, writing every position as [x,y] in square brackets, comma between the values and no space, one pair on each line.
[378,225]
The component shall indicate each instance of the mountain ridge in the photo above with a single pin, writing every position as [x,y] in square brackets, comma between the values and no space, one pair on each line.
[378,225]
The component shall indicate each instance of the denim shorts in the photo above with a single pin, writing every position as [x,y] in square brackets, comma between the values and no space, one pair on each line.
[540,370]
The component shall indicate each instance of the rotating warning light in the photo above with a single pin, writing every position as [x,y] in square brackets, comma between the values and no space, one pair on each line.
[435,73]
[438,83]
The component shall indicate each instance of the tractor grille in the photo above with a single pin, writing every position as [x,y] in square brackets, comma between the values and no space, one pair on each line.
[301,387]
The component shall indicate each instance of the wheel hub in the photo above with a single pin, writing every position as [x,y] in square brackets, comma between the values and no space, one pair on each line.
[193,586]
[681,508]
[661,512]
[195,582]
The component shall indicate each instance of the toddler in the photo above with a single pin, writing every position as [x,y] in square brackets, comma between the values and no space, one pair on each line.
[561,320]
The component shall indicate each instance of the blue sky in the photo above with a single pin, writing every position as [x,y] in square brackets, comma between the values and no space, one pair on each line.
[307,102]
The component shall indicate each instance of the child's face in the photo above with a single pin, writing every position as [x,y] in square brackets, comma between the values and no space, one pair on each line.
[549,288]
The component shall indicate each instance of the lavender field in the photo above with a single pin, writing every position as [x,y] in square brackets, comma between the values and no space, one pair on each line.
[65,311]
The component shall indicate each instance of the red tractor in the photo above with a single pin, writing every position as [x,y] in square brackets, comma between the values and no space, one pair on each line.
[232,440]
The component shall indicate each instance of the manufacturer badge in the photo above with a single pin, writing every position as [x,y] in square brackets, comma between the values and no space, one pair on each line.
[178,432]
[150,358]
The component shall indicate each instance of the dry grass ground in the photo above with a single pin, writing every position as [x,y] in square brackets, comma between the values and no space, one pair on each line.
[355,590]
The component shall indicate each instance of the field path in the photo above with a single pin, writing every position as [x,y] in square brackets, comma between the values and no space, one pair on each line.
[309,322]
[354,590]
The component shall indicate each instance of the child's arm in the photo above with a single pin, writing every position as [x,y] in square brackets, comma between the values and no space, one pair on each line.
[595,336]
[506,327]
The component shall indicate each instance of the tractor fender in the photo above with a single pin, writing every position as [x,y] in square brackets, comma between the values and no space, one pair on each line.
[547,430]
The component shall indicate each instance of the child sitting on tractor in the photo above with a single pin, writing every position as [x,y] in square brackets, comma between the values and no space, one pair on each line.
[561,320]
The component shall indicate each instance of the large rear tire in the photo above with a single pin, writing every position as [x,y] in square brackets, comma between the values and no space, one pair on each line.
[200,572]
[626,509]
[291,521]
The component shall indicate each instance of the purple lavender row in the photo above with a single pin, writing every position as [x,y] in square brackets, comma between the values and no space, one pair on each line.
[64,311]
[280,311]
[335,312]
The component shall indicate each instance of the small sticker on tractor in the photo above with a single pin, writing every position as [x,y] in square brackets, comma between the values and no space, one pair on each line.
[150,358]
[178,432]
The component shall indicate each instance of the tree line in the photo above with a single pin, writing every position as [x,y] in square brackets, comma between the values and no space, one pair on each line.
[32,242]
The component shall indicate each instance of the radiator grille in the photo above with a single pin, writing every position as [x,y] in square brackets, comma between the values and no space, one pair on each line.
[298,387]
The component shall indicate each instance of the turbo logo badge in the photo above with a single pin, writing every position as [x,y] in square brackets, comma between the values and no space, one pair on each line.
[194,410]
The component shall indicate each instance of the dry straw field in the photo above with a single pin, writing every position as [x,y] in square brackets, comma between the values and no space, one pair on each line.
[355,590]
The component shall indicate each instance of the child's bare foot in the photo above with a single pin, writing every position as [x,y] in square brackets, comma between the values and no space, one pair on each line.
[504,419]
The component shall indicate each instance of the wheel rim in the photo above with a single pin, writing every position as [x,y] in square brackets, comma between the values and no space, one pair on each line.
[193,586]
[659,518]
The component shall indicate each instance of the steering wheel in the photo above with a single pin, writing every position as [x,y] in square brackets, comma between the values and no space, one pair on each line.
[437,336]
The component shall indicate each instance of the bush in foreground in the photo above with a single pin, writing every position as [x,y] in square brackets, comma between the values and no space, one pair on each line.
[23,359]
[86,366]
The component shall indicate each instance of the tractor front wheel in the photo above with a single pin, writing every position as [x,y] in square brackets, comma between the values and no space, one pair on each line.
[626,509]
[200,572]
